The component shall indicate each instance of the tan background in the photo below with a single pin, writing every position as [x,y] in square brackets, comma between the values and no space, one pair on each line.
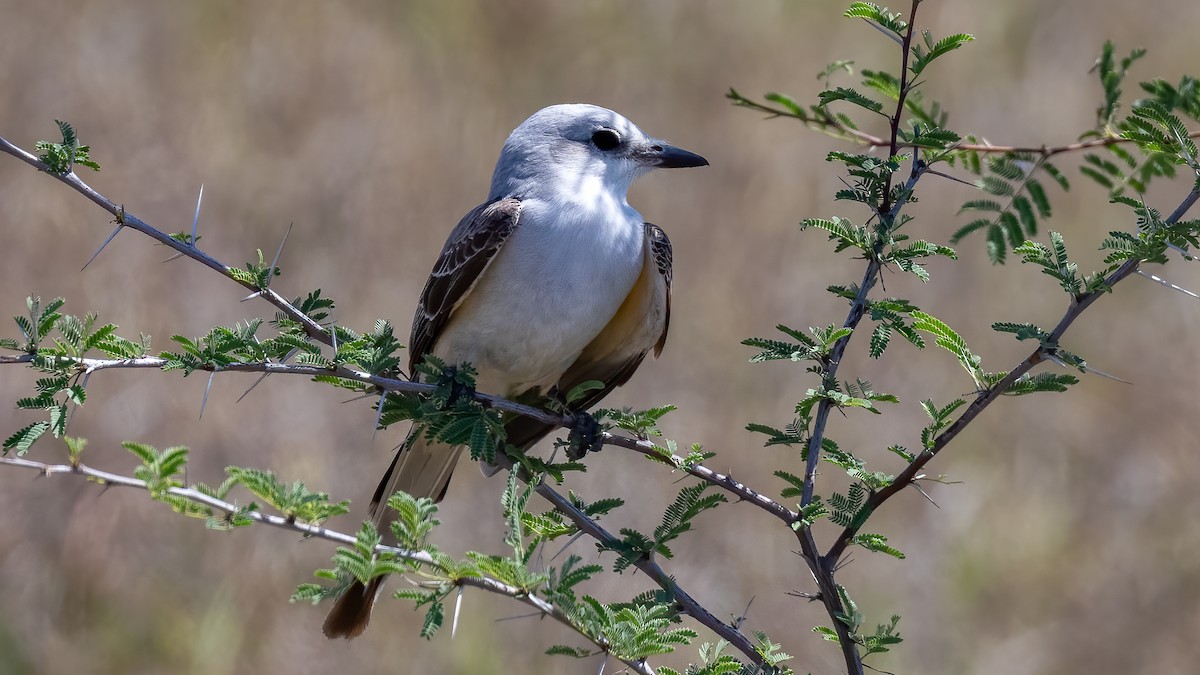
[1071,546]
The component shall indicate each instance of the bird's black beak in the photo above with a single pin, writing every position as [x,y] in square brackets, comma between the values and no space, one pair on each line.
[664,156]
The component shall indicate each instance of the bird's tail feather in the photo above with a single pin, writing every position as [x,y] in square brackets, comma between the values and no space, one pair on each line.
[420,468]
[352,611]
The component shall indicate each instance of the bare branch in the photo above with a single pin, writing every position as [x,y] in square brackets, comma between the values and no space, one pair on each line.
[311,327]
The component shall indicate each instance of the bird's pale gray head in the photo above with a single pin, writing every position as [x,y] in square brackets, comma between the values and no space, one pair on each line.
[574,142]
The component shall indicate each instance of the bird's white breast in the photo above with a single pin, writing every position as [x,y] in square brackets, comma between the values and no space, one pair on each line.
[554,285]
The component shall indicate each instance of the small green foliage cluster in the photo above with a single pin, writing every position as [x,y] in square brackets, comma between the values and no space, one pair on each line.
[54,342]
[636,629]
[879,642]
[1016,199]
[1153,125]
[689,503]
[163,471]
[60,158]
[1152,140]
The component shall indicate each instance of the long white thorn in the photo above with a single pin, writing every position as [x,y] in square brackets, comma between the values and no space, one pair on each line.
[278,252]
[207,388]
[196,218]
[457,607]
[264,375]
[1168,284]
[378,415]
[570,541]
[110,238]
[1086,369]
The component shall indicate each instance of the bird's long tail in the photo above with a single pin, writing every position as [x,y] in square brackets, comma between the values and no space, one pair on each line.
[420,468]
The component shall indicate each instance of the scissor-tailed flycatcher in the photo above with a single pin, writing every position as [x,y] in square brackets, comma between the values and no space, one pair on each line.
[555,280]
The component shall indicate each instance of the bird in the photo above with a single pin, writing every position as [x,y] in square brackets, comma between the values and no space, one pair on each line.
[553,281]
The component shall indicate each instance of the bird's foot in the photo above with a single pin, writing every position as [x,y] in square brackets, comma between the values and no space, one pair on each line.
[586,436]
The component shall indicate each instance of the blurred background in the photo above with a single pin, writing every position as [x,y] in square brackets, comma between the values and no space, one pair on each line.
[1071,544]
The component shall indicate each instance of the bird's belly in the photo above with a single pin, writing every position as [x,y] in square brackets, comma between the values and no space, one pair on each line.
[539,304]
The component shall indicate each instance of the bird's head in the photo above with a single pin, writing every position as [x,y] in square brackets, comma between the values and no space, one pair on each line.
[577,142]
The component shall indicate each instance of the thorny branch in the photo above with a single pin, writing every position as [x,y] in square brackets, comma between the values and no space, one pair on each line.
[911,473]
[642,446]
[686,603]
[125,219]
[488,584]
[829,124]
[887,213]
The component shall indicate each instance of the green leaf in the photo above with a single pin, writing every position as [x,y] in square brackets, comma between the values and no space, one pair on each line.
[876,14]
[25,437]
[850,96]
[877,543]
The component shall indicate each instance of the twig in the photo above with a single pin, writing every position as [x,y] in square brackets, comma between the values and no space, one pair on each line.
[311,327]
[706,474]
[645,447]
[987,397]
[488,584]
[687,604]
[830,125]
[887,211]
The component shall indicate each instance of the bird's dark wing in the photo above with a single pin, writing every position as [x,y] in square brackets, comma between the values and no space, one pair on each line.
[470,248]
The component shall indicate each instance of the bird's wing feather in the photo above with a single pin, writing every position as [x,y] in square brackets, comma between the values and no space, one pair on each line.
[638,327]
[470,248]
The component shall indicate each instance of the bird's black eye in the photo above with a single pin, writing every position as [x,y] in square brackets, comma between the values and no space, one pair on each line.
[606,139]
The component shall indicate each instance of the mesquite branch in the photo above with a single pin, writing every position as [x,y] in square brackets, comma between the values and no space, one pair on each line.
[685,602]
[490,585]
[911,473]
[887,212]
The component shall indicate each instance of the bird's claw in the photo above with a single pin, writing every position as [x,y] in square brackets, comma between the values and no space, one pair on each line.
[458,390]
[586,436]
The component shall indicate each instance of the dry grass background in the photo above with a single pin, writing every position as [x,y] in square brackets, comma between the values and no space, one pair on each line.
[1071,546]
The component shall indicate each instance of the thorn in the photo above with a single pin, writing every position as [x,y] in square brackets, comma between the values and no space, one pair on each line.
[1182,251]
[519,616]
[895,38]
[378,415]
[252,296]
[738,621]
[196,218]
[1101,373]
[575,537]
[333,336]
[207,388]
[256,383]
[358,398]
[110,238]
[264,375]
[925,495]
[457,606]
[278,253]
[603,663]
[177,256]
[1086,369]
[947,176]
[1168,284]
